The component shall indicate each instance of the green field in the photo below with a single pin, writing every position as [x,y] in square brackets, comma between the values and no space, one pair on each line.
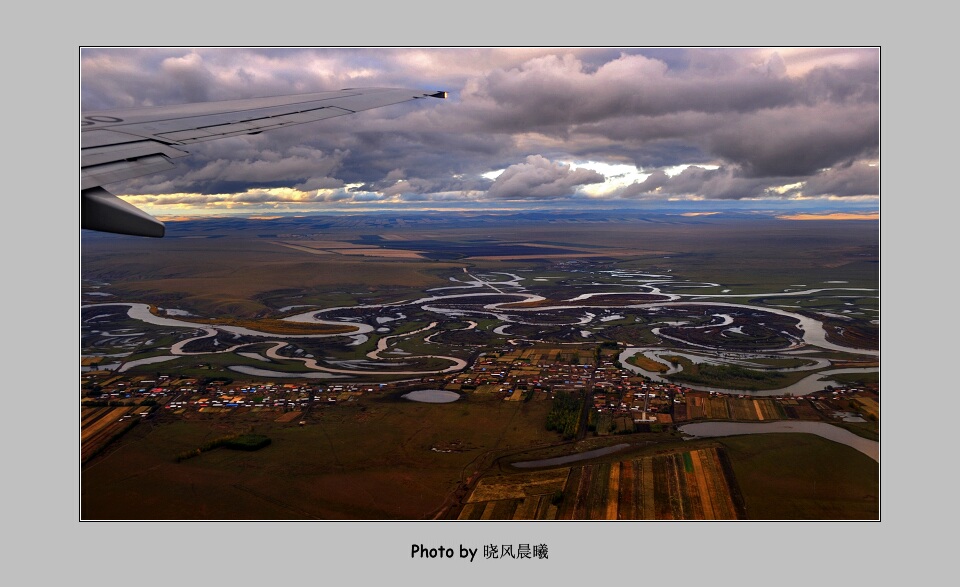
[804,477]
[382,458]
[374,459]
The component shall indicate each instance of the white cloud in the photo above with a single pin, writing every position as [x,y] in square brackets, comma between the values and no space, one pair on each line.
[539,178]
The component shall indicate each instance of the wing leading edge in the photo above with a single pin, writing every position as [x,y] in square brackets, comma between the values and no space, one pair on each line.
[122,144]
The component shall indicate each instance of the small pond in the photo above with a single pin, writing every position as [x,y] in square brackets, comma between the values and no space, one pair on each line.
[432,396]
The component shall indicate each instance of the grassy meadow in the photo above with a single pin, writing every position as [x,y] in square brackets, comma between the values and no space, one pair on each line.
[378,458]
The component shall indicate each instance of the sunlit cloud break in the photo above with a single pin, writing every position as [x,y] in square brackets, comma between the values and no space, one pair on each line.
[594,127]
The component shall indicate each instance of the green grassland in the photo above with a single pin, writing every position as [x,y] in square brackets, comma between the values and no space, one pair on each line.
[734,377]
[239,277]
[780,476]
[868,430]
[245,273]
[374,459]
[804,477]
[392,459]
[870,379]
[387,458]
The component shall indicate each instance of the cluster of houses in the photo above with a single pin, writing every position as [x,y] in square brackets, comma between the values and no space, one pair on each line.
[537,373]
[175,393]
[522,374]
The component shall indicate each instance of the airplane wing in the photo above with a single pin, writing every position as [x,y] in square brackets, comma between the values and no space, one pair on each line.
[121,144]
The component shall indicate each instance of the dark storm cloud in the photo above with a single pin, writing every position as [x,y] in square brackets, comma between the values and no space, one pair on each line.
[217,168]
[797,141]
[715,184]
[762,118]
[630,85]
[853,179]
[768,124]
[553,92]
[289,164]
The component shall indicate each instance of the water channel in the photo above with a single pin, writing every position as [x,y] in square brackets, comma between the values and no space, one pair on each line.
[871,448]
[813,330]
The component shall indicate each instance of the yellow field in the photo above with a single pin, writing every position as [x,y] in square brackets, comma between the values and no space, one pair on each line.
[100,425]
[310,250]
[768,408]
[868,405]
[649,364]
[732,408]
[343,248]
[289,417]
[716,408]
[384,253]
[106,419]
[519,486]
[88,415]
[488,388]
[613,492]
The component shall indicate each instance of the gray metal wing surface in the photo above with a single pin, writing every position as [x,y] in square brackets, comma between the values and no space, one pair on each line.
[118,145]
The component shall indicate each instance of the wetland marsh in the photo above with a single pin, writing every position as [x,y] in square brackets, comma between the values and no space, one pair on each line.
[725,304]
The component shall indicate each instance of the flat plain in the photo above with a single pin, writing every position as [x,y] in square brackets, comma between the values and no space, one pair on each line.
[424,292]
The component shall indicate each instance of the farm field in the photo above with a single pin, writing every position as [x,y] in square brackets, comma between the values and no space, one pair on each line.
[99,426]
[383,458]
[681,485]
[517,497]
[699,406]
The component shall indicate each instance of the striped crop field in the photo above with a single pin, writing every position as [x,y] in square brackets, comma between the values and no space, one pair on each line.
[768,409]
[525,496]
[693,485]
[98,426]
[716,408]
[695,408]
[742,409]
[289,416]
[759,410]
[105,420]
[735,408]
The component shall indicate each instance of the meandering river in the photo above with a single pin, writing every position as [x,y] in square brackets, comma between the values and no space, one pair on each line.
[809,384]
[507,312]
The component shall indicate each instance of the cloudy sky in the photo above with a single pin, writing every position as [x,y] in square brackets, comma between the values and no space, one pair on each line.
[711,129]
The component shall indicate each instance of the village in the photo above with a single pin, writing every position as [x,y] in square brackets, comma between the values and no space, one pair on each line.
[617,401]
[566,394]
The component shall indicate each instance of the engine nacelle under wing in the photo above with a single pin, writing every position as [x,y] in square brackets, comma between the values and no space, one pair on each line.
[103,211]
